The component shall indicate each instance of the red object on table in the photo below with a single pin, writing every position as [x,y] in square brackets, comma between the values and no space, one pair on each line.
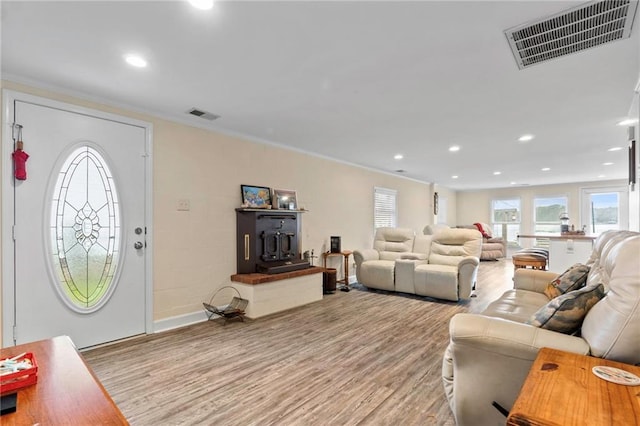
[22,378]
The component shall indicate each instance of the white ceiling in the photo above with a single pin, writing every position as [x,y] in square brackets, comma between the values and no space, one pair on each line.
[357,81]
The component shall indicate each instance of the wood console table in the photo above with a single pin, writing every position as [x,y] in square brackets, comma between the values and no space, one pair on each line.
[561,389]
[67,392]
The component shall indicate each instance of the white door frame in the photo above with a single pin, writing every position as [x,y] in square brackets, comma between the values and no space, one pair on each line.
[8,255]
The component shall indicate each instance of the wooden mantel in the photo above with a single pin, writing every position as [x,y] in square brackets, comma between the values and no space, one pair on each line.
[256,278]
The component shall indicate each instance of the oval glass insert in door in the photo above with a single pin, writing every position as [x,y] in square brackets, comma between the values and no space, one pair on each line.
[85,231]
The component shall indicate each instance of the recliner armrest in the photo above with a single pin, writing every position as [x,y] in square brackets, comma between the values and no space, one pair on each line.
[413,256]
[363,255]
[502,337]
[488,360]
[532,279]
[467,275]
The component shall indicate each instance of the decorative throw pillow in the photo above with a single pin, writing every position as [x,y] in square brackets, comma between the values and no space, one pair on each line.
[565,313]
[571,279]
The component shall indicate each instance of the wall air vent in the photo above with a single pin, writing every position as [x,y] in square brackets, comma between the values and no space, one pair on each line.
[579,28]
[203,114]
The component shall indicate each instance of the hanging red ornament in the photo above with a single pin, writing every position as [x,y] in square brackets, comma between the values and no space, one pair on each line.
[20,162]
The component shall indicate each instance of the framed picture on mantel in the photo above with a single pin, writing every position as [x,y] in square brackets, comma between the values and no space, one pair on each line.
[256,196]
[284,199]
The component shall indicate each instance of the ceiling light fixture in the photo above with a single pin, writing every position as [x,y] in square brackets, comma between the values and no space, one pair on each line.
[135,61]
[454,177]
[202,4]
[628,122]
[497,173]
[607,164]
[615,148]
[514,183]
[398,156]
[545,169]
[602,176]
[525,138]
[454,148]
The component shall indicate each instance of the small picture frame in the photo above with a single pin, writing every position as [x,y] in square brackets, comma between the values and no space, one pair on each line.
[285,199]
[256,196]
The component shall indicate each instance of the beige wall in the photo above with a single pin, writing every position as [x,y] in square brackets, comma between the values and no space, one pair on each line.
[194,251]
[475,206]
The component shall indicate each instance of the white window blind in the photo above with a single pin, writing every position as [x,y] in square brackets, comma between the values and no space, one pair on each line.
[384,207]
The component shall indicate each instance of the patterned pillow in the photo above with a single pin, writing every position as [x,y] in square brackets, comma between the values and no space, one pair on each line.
[565,313]
[571,279]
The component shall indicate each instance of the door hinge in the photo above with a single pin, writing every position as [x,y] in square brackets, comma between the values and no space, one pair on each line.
[15,334]
[13,232]
[16,131]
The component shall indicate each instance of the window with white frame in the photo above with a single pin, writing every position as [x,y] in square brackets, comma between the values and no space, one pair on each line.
[385,208]
[546,214]
[604,208]
[505,218]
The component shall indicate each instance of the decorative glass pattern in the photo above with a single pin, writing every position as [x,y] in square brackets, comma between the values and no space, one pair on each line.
[85,230]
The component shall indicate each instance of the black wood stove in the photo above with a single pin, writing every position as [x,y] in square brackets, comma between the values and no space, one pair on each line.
[268,241]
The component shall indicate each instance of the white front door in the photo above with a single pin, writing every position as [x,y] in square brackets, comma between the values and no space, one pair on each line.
[79,231]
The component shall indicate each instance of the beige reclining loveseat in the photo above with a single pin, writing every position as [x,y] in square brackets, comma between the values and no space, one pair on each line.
[489,355]
[443,266]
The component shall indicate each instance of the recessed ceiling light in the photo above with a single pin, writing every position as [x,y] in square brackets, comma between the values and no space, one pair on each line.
[497,173]
[135,61]
[615,148]
[607,164]
[525,138]
[628,122]
[454,148]
[398,156]
[202,4]
[454,177]
[545,169]
[601,176]
[514,183]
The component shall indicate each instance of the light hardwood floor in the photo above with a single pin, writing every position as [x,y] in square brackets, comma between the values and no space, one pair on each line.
[356,358]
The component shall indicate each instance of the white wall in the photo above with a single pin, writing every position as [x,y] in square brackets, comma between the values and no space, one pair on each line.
[194,251]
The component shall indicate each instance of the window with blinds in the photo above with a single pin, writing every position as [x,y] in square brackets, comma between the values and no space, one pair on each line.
[384,207]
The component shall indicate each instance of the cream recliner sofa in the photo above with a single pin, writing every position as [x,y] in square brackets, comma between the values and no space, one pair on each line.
[489,355]
[450,268]
[375,267]
[442,266]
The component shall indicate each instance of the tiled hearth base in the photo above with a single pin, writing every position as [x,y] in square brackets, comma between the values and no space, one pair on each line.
[268,294]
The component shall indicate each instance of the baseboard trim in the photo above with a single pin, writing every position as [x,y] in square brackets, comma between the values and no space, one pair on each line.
[178,321]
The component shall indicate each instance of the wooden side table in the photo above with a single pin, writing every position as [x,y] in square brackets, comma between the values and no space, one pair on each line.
[346,254]
[561,389]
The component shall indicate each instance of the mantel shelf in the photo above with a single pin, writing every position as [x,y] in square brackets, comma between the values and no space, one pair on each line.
[250,209]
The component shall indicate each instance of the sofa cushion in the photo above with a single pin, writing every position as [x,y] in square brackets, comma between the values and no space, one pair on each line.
[612,328]
[450,246]
[378,274]
[572,279]
[439,281]
[566,312]
[516,305]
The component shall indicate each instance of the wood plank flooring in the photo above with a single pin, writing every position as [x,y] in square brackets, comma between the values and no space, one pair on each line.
[356,358]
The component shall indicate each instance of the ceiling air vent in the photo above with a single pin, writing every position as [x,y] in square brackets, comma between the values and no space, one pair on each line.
[203,114]
[580,28]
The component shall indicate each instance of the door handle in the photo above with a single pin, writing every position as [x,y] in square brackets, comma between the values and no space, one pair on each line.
[138,245]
